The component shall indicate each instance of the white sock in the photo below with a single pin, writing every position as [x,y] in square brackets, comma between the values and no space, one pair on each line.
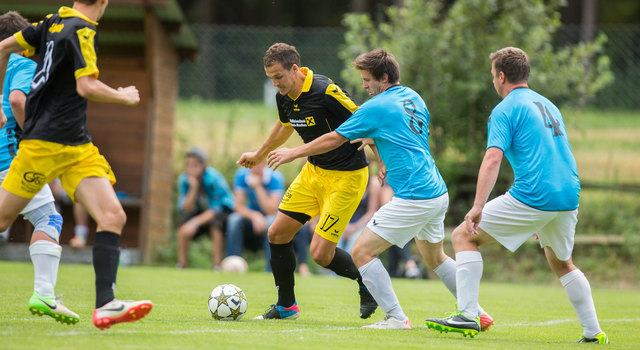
[81,231]
[468,275]
[578,290]
[377,280]
[45,256]
[447,273]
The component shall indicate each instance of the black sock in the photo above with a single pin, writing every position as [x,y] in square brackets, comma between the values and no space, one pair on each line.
[106,255]
[283,264]
[343,265]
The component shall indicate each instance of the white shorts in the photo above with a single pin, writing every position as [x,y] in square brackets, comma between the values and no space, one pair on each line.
[512,222]
[41,198]
[398,221]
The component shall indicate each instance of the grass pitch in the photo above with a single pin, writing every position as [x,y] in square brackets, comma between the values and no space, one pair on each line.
[527,316]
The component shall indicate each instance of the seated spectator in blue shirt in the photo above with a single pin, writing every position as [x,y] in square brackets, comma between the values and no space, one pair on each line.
[204,201]
[257,193]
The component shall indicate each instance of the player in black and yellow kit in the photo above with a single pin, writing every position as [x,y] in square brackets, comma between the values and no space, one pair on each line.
[55,141]
[330,184]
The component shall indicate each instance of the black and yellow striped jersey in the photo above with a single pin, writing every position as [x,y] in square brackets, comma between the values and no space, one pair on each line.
[321,108]
[66,45]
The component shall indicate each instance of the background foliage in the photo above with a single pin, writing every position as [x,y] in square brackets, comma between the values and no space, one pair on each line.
[443,54]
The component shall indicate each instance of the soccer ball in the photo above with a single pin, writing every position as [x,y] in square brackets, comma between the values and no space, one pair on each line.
[227,303]
[234,264]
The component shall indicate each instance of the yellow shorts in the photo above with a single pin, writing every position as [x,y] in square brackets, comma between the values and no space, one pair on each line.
[334,194]
[38,162]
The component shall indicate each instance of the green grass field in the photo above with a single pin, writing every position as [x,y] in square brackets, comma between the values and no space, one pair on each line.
[527,316]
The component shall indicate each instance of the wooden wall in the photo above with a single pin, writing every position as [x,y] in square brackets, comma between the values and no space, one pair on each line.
[163,60]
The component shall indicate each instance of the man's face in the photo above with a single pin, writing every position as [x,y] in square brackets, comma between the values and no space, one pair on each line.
[370,84]
[194,167]
[283,79]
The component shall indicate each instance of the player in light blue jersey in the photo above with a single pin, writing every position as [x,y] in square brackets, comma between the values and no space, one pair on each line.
[528,129]
[396,119]
[44,248]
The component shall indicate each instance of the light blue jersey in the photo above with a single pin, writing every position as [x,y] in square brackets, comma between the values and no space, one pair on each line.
[19,74]
[272,181]
[215,193]
[397,120]
[530,131]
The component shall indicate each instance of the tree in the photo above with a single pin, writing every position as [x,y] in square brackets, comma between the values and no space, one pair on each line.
[444,56]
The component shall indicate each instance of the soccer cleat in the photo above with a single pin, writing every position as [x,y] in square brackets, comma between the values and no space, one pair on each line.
[486,322]
[52,306]
[277,312]
[368,305]
[117,311]
[390,322]
[600,338]
[455,323]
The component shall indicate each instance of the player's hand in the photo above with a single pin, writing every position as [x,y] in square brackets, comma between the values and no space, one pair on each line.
[279,157]
[472,219]
[249,160]
[382,174]
[365,142]
[130,95]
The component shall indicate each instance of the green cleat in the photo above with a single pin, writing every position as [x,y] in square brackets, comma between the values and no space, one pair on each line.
[52,306]
[600,338]
[455,323]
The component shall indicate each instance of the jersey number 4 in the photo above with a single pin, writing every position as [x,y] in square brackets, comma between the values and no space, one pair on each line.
[552,123]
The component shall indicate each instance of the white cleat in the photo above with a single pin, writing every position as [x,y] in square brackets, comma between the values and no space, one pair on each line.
[117,311]
[390,323]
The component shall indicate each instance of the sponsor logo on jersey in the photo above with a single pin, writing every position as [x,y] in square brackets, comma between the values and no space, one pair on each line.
[310,121]
[56,28]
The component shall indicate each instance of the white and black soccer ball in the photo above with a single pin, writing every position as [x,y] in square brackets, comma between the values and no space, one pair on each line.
[227,303]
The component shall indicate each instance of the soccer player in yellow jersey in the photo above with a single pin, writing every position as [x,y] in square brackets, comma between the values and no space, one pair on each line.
[55,141]
[329,185]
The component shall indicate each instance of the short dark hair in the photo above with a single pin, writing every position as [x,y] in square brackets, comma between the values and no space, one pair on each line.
[10,23]
[378,62]
[513,62]
[282,53]
[88,2]
[197,153]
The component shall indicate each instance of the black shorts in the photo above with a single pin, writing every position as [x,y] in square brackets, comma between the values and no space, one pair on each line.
[219,221]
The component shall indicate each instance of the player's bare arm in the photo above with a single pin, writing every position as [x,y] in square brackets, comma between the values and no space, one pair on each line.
[279,134]
[487,177]
[3,118]
[7,47]
[322,144]
[94,90]
[17,101]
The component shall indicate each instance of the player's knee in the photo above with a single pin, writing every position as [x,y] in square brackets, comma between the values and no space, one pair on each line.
[459,237]
[46,219]
[320,256]
[278,237]
[359,256]
[4,223]
[113,219]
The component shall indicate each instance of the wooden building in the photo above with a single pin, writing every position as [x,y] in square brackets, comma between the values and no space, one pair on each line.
[141,43]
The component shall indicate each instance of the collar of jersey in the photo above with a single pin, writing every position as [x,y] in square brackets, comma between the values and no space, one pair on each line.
[65,11]
[307,80]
